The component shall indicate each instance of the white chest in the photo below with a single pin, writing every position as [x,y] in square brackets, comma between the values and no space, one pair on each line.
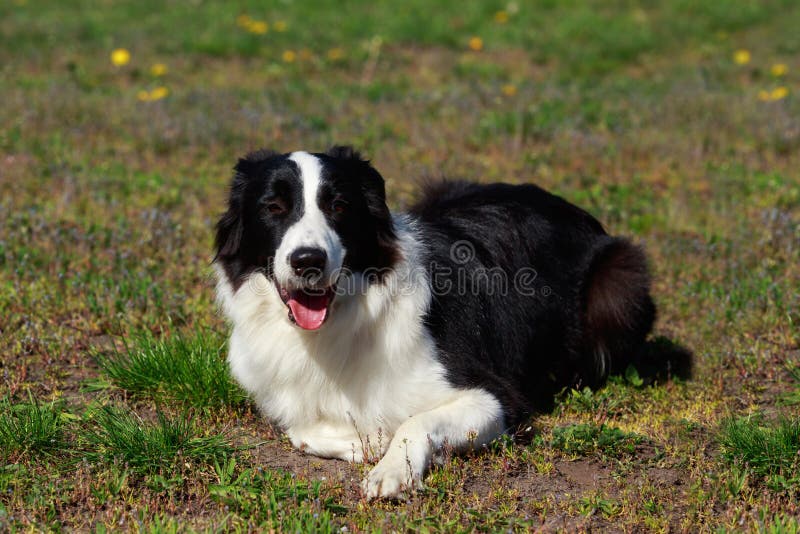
[370,367]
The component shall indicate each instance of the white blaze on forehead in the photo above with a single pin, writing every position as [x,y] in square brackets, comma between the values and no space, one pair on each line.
[312,230]
[310,175]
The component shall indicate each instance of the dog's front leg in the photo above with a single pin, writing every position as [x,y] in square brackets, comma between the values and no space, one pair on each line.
[471,419]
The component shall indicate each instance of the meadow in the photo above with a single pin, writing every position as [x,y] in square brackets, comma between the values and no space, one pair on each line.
[676,123]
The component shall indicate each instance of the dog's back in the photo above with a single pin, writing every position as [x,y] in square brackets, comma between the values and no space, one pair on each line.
[545,298]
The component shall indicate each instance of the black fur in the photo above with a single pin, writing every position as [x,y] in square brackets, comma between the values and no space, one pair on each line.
[366,231]
[586,312]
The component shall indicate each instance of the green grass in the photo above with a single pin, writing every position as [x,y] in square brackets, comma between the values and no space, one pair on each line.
[586,439]
[166,446]
[263,498]
[636,111]
[769,450]
[792,397]
[781,524]
[190,370]
[30,427]
[596,504]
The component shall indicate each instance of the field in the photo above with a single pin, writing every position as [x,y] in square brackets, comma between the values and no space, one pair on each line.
[676,123]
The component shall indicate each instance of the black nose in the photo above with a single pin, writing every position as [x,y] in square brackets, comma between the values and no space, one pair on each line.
[308,261]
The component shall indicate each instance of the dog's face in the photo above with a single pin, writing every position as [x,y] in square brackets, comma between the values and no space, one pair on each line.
[304,221]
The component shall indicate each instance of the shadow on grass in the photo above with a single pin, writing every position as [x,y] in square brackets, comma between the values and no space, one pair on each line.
[659,361]
[662,359]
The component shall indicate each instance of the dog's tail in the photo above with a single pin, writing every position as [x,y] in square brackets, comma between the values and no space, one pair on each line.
[618,311]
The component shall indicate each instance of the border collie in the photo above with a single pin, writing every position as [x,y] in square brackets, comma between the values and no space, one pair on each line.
[369,335]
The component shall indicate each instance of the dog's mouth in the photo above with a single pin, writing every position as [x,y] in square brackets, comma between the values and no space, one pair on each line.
[308,306]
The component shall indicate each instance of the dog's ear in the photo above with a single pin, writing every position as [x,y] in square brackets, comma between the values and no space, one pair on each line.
[229,230]
[374,190]
[229,234]
[251,162]
[230,226]
[345,152]
[372,183]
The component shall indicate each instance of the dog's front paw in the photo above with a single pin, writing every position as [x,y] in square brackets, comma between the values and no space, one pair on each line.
[390,479]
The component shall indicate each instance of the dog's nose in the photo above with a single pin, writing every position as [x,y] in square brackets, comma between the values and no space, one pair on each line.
[307,261]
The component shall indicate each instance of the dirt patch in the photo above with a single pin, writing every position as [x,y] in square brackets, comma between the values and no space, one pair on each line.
[584,474]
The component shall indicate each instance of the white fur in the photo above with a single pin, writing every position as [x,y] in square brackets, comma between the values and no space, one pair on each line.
[368,380]
[472,418]
[312,230]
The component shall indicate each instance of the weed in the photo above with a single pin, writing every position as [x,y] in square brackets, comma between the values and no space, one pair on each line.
[596,503]
[588,401]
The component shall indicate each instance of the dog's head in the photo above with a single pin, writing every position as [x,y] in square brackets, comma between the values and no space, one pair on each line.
[304,221]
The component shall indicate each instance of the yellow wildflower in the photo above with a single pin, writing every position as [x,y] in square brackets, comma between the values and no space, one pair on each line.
[501,17]
[143,95]
[158,69]
[778,93]
[741,57]
[120,57]
[280,26]
[335,54]
[258,26]
[475,43]
[764,96]
[509,89]
[289,56]
[779,69]
[158,93]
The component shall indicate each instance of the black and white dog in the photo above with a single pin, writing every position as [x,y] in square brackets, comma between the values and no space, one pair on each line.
[365,334]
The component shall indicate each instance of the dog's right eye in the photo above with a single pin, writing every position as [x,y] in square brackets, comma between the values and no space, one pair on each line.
[276,206]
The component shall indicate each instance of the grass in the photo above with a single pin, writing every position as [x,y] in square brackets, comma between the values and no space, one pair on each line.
[263,497]
[161,447]
[30,427]
[781,524]
[585,439]
[767,450]
[792,397]
[596,504]
[189,370]
[637,111]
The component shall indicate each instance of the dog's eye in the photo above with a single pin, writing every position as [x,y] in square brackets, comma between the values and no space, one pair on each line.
[276,206]
[338,206]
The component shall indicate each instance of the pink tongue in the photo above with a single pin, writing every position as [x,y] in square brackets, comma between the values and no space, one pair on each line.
[309,311]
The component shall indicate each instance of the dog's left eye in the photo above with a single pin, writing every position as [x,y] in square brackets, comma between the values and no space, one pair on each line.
[276,206]
[338,206]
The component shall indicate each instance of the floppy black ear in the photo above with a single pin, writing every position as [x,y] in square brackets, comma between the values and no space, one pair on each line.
[374,191]
[229,234]
[251,162]
[345,152]
[372,183]
[230,226]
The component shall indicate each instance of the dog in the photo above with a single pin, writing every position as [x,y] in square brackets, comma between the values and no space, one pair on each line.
[365,334]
